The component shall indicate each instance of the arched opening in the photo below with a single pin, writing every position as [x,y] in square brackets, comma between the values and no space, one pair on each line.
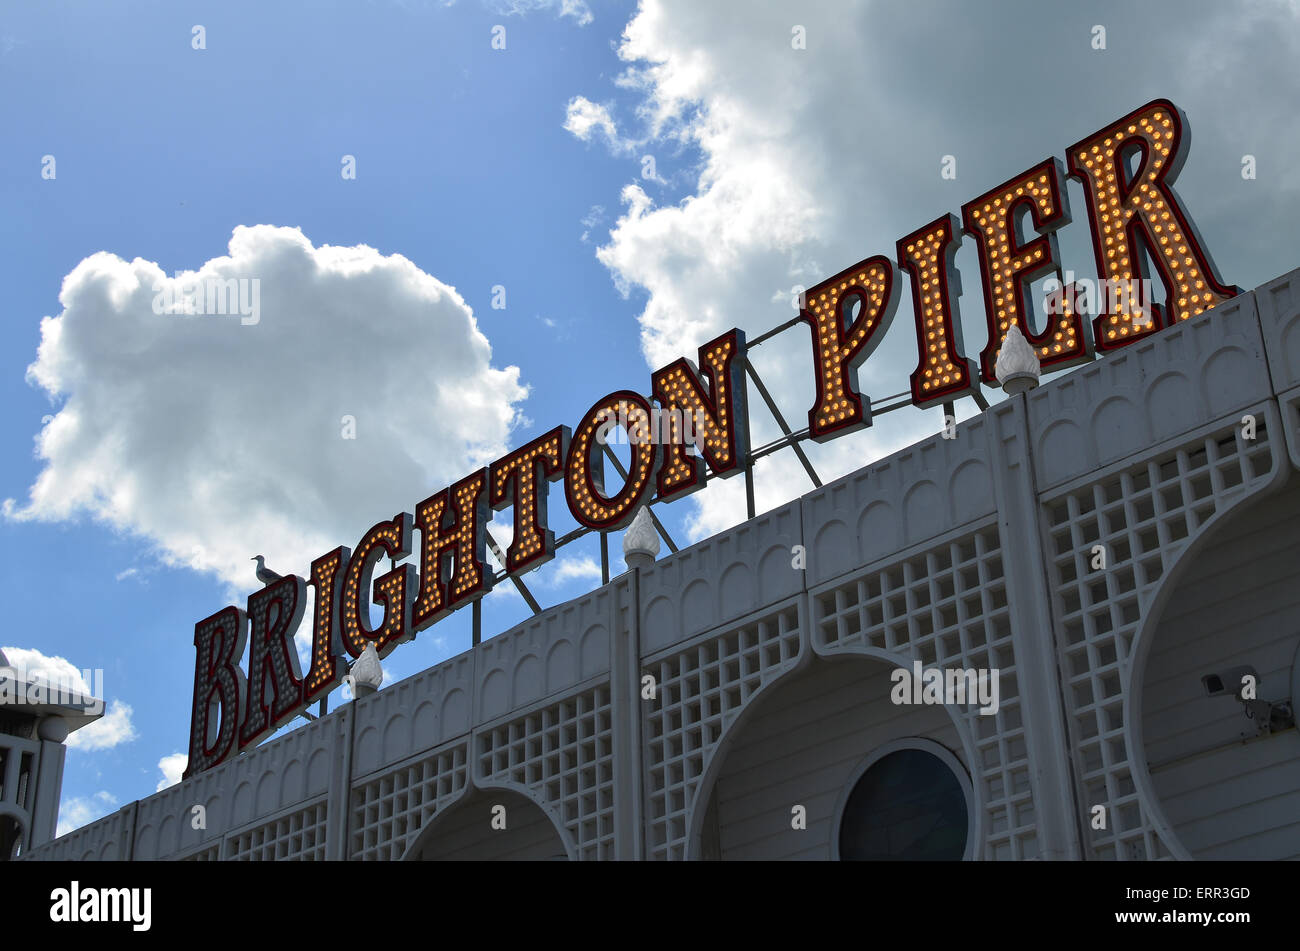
[1228,786]
[489,825]
[816,751]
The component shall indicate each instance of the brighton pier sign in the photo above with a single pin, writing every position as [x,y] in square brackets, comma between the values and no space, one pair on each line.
[1127,171]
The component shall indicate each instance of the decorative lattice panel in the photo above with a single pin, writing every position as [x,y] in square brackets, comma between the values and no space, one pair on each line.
[298,835]
[947,607]
[211,854]
[1144,516]
[700,691]
[389,809]
[564,752]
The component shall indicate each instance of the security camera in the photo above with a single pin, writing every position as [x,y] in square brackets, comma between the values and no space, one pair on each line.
[1268,716]
[1230,682]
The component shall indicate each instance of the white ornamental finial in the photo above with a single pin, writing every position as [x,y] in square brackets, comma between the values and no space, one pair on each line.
[366,675]
[1017,367]
[641,541]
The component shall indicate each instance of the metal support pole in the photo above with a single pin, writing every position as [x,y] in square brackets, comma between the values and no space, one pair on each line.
[478,622]
[749,488]
[604,558]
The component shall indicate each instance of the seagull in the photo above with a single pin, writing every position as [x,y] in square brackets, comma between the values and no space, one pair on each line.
[264,574]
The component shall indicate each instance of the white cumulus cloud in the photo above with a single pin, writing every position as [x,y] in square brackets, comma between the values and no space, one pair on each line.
[172,766]
[110,730]
[216,439]
[56,671]
[815,155]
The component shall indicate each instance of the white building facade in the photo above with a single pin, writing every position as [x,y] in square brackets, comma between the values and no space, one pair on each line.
[1121,545]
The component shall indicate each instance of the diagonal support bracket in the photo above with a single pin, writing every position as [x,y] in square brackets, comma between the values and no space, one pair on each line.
[523,588]
[780,421]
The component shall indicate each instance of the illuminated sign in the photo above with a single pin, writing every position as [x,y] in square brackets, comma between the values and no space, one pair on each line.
[694,423]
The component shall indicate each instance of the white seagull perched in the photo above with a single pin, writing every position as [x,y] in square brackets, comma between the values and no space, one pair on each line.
[264,574]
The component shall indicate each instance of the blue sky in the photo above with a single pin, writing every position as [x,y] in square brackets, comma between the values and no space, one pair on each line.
[522,167]
[463,166]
